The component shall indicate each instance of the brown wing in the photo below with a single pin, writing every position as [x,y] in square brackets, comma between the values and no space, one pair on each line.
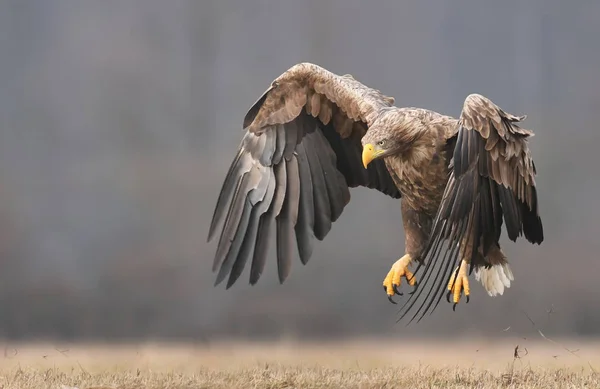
[492,178]
[300,154]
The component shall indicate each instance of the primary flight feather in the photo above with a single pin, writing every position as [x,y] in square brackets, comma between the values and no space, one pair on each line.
[314,134]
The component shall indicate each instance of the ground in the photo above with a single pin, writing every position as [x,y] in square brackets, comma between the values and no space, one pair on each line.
[356,364]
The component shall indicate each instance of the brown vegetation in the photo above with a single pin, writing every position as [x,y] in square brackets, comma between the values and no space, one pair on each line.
[356,364]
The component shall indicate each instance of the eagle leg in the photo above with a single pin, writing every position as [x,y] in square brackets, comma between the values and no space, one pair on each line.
[392,280]
[459,281]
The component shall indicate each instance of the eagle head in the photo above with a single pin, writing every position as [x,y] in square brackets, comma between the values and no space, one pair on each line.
[390,134]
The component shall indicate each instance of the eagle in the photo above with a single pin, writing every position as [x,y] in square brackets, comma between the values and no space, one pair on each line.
[314,134]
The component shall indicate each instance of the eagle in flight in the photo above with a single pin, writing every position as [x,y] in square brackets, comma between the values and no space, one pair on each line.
[314,134]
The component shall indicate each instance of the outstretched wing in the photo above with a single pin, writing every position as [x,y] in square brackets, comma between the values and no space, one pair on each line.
[299,155]
[492,177]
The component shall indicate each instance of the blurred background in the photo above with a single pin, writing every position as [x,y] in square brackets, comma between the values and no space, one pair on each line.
[119,119]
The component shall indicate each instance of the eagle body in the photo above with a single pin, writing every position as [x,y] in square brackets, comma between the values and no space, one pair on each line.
[313,135]
[421,172]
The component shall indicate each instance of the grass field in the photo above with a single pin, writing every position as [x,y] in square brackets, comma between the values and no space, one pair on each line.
[356,364]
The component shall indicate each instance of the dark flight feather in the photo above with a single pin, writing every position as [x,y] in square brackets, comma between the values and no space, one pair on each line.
[286,221]
[266,221]
[306,212]
[322,215]
[249,243]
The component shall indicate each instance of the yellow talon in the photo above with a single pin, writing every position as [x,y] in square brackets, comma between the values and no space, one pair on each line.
[392,280]
[458,283]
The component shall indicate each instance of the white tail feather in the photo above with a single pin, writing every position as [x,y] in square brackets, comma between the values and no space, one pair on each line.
[495,278]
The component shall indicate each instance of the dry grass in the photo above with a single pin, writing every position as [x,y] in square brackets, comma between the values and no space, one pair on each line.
[359,364]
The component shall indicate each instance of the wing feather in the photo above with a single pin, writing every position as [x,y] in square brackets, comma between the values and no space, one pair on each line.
[306,212]
[492,180]
[230,185]
[299,156]
[266,221]
[322,215]
[245,204]
[234,214]
[286,221]
[337,188]
[249,242]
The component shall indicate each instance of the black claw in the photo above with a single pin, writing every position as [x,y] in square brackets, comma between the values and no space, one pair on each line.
[467,299]
[415,288]
[395,287]
[448,295]
[391,301]
[454,307]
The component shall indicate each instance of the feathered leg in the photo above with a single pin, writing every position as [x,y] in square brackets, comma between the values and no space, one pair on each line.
[416,229]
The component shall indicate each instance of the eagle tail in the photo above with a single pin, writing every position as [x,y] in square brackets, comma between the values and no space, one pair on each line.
[494,278]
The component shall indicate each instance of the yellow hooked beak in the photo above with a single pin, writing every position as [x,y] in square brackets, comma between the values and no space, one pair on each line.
[369,153]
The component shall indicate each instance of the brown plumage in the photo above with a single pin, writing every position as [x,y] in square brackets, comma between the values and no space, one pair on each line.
[314,134]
